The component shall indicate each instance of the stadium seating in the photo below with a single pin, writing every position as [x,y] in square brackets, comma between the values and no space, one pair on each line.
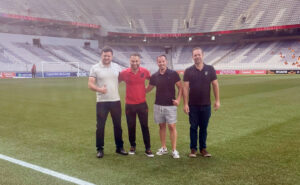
[263,55]
[17,53]
[168,16]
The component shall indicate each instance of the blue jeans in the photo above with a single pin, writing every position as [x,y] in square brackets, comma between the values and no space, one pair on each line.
[199,117]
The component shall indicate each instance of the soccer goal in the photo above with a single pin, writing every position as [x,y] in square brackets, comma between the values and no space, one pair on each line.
[60,68]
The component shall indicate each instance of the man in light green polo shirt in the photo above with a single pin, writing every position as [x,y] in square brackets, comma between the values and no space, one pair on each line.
[103,80]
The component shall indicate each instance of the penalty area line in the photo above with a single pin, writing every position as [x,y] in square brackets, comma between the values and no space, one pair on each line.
[45,171]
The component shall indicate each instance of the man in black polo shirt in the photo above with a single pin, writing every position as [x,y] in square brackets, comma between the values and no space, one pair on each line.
[165,107]
[196,93]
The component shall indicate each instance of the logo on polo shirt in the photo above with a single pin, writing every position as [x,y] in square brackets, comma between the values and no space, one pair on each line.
[206,73]
[142,75]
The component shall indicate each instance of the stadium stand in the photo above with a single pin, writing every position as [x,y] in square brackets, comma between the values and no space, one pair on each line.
[18,53]
[262,55]
[168,16]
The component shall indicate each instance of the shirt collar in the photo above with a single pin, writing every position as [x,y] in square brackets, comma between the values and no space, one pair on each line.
[167,71]
[101,64]
[204,66]
[139,69]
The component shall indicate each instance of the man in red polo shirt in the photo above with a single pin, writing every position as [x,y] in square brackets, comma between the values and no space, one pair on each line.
[136,105]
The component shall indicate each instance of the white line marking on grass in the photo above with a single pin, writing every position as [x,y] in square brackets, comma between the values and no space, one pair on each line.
[46,171]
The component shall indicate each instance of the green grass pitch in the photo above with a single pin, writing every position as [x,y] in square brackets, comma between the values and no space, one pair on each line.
[254,137]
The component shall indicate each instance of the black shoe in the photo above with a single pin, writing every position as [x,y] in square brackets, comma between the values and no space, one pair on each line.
[148,153]
[100,153]
[121,151]
[132,150]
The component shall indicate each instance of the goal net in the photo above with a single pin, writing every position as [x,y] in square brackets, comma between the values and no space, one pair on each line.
[60,67]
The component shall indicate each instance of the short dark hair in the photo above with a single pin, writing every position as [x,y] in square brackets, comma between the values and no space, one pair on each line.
[162,56]
[196,48]
[135,55]
[107,49]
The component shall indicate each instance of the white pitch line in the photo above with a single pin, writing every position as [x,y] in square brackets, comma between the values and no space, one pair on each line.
[46,171]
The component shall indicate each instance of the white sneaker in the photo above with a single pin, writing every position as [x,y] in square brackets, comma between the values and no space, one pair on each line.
[162,151]
[175,154]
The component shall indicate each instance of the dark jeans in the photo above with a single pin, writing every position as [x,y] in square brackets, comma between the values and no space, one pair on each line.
[141,110]
[103,108]
[199,117]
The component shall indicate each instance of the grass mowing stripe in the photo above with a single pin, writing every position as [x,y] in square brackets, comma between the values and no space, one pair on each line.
[46,171]
[253,138]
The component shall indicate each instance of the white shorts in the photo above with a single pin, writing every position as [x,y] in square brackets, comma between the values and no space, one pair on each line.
[165,114]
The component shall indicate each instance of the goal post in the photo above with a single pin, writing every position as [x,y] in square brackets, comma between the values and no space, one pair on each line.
[60,67]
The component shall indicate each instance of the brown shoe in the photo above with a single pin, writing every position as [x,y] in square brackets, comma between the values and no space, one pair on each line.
[193,153]
[204,153]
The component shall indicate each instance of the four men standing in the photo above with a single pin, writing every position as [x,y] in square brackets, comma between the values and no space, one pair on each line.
[104,78]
